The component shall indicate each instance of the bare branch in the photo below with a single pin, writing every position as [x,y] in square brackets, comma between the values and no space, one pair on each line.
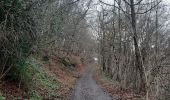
[73,2]
[149,9]
[116,7]
[105,3]
[138,2]
[127,2]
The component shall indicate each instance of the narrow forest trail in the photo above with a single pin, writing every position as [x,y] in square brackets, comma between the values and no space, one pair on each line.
[86,88]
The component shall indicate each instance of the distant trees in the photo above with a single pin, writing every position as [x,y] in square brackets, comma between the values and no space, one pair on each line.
[134,38]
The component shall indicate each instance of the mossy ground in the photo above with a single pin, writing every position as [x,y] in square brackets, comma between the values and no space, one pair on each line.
[31,76]
[34,78]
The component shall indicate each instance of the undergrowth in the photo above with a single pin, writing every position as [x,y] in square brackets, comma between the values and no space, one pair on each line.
[108,77]
[2,97]
[66,62]
[34,79]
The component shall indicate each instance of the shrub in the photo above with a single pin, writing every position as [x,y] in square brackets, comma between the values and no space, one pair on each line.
[17,34]
[34,78]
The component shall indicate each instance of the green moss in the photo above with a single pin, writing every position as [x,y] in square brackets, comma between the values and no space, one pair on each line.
[35,95]
[32,74]
[2,97]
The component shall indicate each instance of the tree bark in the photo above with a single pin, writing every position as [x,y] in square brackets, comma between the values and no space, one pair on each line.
[138,62]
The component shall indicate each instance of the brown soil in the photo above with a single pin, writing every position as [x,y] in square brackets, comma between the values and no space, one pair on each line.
[115,90]
[66,76]
[11,90]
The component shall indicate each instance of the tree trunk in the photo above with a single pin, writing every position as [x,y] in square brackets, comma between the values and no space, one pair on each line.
[138,62]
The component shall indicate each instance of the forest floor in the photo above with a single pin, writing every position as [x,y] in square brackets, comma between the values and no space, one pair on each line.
[67,77]
[86,87]
[64,75]
[84,82]
[114,89]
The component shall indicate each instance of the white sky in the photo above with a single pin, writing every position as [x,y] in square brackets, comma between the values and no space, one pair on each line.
[166,2]
[111,1]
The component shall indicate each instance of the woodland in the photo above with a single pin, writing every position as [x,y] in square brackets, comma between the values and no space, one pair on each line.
[46,44]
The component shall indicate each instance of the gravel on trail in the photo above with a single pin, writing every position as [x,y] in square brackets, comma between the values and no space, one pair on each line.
[86,88]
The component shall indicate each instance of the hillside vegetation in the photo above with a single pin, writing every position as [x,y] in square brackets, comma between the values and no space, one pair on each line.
[41,42]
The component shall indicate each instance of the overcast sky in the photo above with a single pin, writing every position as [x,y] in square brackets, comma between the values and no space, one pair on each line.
[166,2]
[110,1]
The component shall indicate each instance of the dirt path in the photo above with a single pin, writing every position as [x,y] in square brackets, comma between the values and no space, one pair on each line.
[87,89]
